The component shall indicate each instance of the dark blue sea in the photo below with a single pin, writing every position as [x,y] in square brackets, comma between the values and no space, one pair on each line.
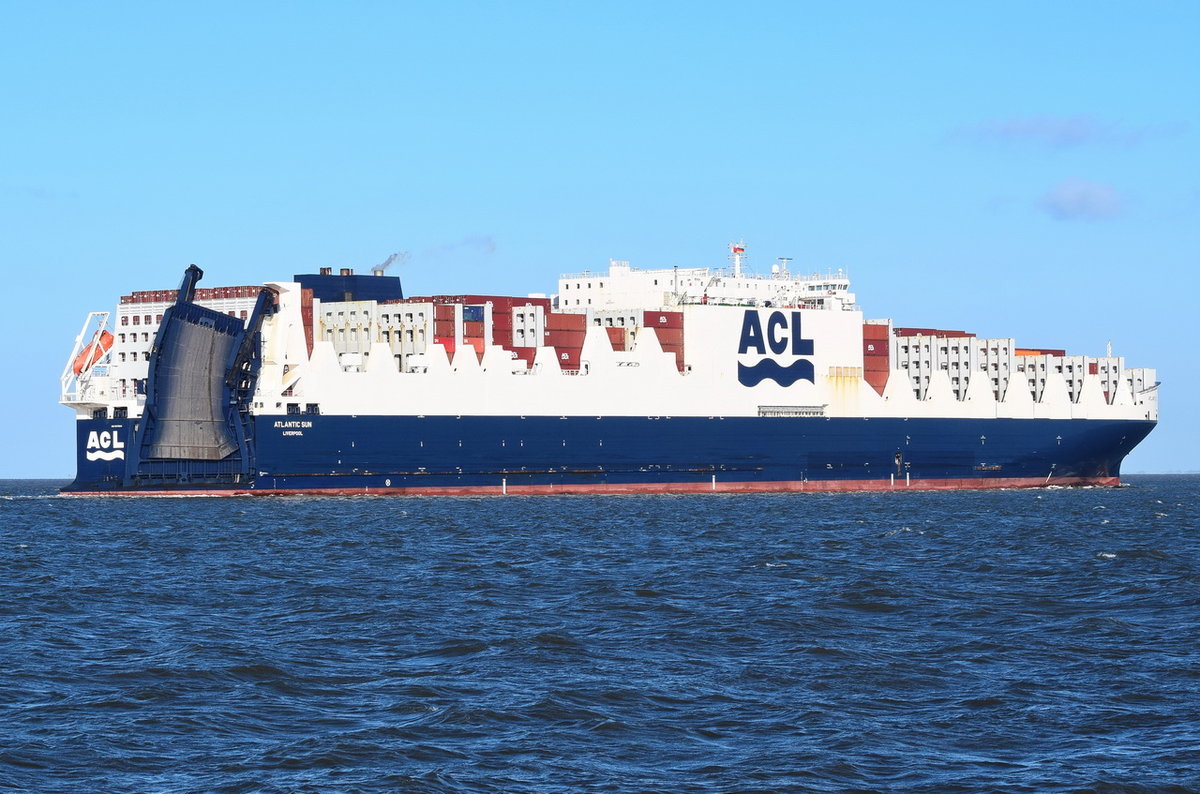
[1034,641]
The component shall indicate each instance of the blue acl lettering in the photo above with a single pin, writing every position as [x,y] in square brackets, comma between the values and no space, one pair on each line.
[800,345]
[780,328]
[752,335]
[775,323]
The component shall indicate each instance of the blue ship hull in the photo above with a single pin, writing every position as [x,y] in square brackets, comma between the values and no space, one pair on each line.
[410,454]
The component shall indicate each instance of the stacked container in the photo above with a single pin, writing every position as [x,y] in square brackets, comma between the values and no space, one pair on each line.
[876,354]
[618,338]
[306,316]
[669,328]
[565,333]
[443,321]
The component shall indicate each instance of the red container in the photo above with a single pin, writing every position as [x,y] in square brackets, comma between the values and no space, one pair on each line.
[568,357]
[877,380]
[617,337]
[505,301]
[474,329]
[565,338]
[306,317]
[662,319]
[1039,351]
[1093,368]
[932,332]
[669,337]
[446,342]
[565,322]
[875,331]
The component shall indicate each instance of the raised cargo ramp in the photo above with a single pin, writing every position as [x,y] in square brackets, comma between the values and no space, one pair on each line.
[187,418]
[195,427]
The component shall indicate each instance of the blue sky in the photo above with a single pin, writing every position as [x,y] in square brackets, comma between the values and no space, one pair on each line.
[1014,169]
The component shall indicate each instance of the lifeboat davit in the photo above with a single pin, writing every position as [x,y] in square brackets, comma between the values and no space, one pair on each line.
[93,352]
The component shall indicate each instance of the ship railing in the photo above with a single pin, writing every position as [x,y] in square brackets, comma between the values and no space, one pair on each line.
[74,387]
[838,276]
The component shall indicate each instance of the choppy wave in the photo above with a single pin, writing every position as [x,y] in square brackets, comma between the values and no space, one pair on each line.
[974,641]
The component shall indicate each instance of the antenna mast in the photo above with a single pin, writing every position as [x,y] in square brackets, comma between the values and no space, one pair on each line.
[737,252]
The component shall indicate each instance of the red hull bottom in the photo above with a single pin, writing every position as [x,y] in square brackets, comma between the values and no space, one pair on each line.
[795,486]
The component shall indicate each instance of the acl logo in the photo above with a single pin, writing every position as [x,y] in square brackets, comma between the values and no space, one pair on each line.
[784,337]
[105,445]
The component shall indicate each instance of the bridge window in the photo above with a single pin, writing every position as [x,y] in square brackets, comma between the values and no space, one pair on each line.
[312,408]
[293,409]
[121,412]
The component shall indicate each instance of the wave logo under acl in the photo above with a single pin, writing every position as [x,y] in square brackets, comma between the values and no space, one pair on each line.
[780,336]
[105,445]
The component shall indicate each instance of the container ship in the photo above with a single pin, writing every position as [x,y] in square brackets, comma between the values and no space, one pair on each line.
[627,381]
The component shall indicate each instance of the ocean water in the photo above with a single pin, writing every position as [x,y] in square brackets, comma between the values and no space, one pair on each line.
[1036,641]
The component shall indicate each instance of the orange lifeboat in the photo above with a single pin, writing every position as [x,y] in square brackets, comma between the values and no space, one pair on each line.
[93,352]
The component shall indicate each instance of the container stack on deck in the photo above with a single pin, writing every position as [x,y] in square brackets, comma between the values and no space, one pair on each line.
[876,355]
[669,328]
[565,333]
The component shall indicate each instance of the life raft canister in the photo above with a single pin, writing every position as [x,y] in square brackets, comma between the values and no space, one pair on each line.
[93,351]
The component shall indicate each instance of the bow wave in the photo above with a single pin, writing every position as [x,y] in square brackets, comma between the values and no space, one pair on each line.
[768,369]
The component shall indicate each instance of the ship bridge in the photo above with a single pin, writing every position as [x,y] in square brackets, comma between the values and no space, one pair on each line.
[735,285]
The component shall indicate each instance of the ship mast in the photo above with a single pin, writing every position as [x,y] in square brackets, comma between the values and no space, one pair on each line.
[737,251]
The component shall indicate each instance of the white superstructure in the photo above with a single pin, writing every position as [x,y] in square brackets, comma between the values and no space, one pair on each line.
[438,356]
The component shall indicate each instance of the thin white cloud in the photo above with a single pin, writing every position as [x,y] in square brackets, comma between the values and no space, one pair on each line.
[1064,132]
[1077,199]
